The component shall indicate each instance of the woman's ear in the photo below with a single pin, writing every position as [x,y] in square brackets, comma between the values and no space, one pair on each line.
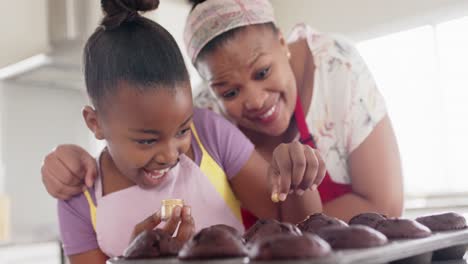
[283,43]
[281,38]
[92,121]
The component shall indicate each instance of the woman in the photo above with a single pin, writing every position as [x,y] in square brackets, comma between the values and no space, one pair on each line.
[312,87]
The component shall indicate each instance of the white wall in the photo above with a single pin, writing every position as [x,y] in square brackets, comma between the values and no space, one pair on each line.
[34,120]
[23,30]
[2,161]
[363,19]
[172,16]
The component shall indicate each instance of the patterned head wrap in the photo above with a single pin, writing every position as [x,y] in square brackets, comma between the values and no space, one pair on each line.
[212,18]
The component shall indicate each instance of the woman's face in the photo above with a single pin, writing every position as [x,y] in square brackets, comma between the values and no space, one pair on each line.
[251,75]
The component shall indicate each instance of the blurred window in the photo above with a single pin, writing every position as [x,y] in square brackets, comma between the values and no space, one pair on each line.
[423,75]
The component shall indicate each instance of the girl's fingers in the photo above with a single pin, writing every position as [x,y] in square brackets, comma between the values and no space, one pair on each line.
[171,225]
[187,226]
[150,223]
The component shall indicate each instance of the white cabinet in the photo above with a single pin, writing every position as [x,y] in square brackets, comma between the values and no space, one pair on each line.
[31,253]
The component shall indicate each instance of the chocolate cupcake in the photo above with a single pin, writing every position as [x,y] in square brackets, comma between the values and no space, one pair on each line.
[367,219]
[317,221]
[356,236]
[211,243]
[289,246]
[263,228]
[399,228]
[443,222]
[446,222]
[152,244]
[230,229]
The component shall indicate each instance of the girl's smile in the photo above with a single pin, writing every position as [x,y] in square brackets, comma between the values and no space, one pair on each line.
[146,132]
[154,177]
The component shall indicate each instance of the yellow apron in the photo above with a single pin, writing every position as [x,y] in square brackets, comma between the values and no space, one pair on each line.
[211,169]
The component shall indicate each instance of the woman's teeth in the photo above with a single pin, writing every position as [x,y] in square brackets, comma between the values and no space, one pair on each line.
[269,113]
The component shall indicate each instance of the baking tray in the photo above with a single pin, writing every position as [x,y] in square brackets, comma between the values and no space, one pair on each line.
[395,250]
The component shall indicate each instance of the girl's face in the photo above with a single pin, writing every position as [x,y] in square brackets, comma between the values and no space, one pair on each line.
[146,131]
[252,77]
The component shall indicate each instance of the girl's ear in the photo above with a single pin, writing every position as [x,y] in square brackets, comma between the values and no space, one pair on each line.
[92,121]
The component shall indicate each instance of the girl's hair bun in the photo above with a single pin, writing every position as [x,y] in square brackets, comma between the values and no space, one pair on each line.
[195,2]
[118,11]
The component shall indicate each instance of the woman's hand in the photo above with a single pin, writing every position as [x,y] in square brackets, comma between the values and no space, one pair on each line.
[67,170]
[180,215]
[295,167]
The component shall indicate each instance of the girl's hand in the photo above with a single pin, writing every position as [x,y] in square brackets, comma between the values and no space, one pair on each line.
[295,167]
[66,170]
[180,215]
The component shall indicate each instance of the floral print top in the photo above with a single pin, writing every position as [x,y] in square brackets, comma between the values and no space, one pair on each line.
[346,104]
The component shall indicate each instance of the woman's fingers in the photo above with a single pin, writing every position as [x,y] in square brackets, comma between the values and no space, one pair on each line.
[72,158]
[282,166]
[65,169]
[298,165]
[322,170]
[295,168]
[53,173]
[274,181]
[91,170]
[310,173]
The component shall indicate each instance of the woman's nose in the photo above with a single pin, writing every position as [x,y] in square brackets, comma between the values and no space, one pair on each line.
[255,99]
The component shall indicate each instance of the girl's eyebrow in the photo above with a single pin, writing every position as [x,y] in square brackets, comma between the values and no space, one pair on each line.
[187,120]
[156,132]
[146,131]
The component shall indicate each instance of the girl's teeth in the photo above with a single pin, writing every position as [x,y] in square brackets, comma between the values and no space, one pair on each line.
[269,113]
[156,174]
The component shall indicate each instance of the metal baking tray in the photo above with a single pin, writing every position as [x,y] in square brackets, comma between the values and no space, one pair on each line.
[395,250]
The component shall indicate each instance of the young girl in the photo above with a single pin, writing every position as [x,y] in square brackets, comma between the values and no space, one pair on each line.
[160,147]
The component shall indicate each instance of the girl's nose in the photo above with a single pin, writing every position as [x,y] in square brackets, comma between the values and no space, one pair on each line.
[168,155]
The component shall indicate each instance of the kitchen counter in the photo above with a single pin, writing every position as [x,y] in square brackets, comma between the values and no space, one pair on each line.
[241,261]
[395,250]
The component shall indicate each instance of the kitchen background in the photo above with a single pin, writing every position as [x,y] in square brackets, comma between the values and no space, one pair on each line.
[417,50]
